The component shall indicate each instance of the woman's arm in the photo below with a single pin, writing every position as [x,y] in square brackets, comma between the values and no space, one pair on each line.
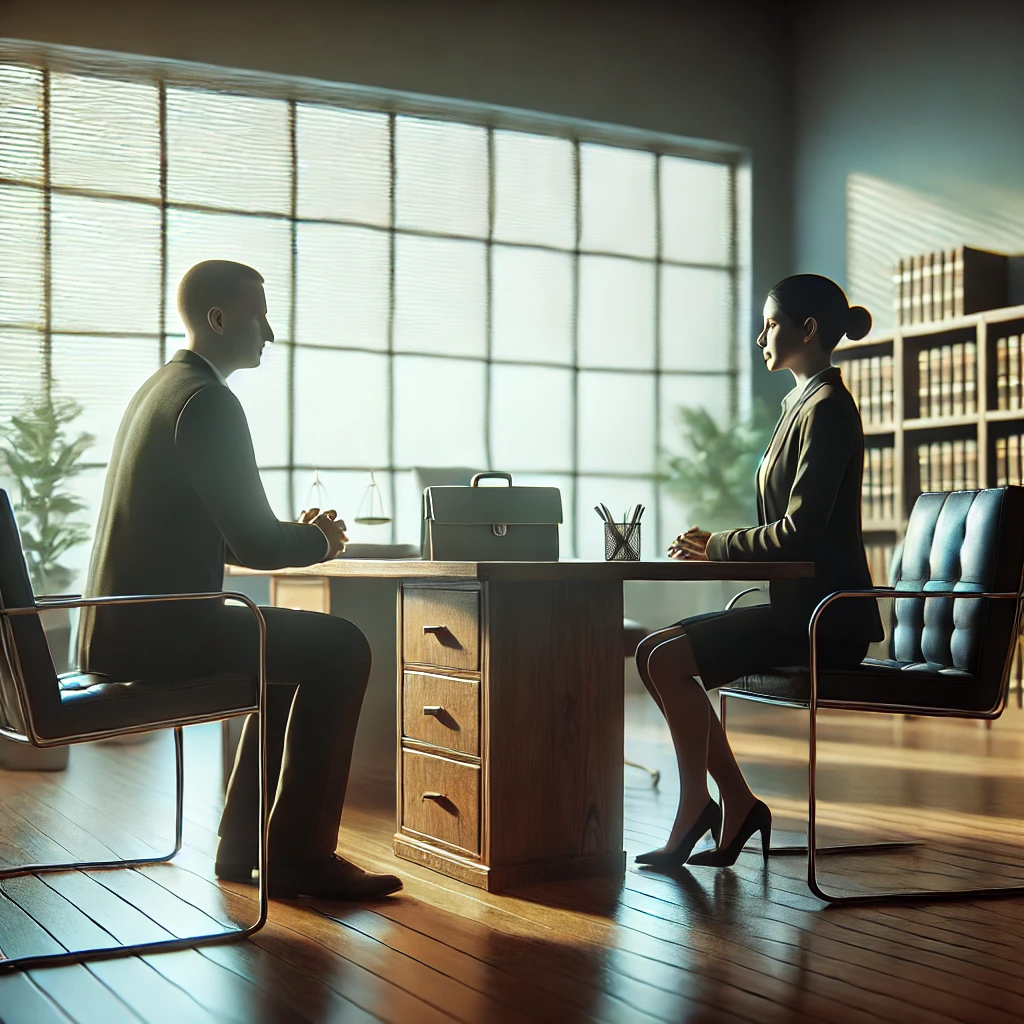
[827,438]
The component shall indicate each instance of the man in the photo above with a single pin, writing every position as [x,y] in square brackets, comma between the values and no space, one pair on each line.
[183,495]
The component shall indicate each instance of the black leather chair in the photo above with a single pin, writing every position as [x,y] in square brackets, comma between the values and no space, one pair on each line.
[954,628]
[40,707]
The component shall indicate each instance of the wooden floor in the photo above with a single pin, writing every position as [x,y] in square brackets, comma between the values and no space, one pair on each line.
[738,944]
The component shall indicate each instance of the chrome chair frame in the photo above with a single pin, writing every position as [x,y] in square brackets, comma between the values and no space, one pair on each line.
[813,704]
[31,736]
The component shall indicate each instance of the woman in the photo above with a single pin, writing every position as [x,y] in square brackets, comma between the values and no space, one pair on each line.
[808,496]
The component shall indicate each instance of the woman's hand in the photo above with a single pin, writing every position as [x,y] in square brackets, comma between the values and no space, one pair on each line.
[692,545]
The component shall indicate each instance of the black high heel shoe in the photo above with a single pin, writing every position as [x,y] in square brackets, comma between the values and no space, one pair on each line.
[758,820]
[710,820]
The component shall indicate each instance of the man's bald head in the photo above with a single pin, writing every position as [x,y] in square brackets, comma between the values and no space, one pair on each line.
[225,313]
[208,285]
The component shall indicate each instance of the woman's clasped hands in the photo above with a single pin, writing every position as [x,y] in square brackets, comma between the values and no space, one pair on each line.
[692,545]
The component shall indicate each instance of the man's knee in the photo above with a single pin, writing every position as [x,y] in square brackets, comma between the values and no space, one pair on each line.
[349,652]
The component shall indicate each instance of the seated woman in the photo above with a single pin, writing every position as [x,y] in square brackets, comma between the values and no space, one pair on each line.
[809,507]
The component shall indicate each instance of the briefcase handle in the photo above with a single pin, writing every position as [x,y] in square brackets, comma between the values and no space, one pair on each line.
[493,476]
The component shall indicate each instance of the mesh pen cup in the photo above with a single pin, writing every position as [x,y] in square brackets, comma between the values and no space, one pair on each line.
[621,543]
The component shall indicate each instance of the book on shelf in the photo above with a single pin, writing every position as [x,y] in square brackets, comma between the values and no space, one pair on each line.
[946,380]
[970,377]
[924,397]
[957,368]
[935,381]
[915,289]
[1001,464]
[875,403]
[886,414]
[959,465]
[1002,373]
[947,465]
[971,463]
[888,504]
[924,475]
[935,466]
[1013,371]
[1013,460]
[950,283]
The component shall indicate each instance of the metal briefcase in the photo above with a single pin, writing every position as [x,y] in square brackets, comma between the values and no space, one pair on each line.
[491,524]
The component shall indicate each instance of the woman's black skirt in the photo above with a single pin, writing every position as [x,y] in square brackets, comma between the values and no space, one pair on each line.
[744,641]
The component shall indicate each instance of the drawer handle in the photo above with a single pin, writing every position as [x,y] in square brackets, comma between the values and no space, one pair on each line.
[436,797]
[443,635]
[434,710]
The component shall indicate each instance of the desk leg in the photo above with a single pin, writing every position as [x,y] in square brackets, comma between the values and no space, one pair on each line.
[553,728]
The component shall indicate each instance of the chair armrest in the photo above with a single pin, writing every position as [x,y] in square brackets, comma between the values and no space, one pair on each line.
[77,601]
[743,593]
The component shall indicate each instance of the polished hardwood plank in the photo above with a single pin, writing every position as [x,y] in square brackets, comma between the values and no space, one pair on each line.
[739,944]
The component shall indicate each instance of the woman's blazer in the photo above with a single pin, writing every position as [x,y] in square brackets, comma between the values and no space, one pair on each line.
[809,509]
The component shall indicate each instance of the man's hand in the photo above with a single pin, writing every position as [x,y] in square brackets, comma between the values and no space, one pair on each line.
[692,545]
[331,527]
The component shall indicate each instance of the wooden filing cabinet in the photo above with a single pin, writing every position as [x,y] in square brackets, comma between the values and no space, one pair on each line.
[510,720]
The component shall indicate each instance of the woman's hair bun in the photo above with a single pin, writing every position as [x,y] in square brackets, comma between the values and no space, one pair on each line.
[858,323]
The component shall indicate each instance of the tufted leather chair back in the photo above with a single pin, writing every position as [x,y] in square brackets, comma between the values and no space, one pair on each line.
[27,674]
[970,541]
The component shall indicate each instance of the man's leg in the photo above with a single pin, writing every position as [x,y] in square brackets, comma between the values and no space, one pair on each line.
[318,666]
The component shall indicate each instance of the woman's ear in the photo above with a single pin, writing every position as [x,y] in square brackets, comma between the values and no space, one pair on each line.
[810,329]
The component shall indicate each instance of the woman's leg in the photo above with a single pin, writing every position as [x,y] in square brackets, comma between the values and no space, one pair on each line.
[670,669]
[688,719]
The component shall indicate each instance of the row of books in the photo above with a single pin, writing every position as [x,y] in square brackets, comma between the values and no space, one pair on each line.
[948,465]
[950,283]
[1008,373]
[947,380]
[1008,461]
[869,380]
[879,557]
[878,489]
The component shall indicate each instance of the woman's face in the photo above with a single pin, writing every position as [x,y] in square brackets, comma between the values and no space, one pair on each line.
[780,339]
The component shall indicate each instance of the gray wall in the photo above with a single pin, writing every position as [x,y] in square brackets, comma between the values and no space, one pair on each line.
[910,135]
[699,70]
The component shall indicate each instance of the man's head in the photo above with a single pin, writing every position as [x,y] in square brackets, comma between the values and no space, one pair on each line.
[225,313]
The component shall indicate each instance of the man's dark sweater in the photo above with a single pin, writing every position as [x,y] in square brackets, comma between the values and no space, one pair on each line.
[182,496]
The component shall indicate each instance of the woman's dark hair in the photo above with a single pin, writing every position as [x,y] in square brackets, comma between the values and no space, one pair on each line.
[811,295]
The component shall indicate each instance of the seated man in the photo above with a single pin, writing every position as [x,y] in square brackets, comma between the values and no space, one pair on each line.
[182,496]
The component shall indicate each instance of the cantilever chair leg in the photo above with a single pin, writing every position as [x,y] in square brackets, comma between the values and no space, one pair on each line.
[804,849]
[167,945]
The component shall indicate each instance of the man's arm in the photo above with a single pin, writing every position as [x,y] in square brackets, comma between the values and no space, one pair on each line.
[826,445]
[213,442]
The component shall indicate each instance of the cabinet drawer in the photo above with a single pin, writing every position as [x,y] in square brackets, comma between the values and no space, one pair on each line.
[441,627]
[441,710]
[441,798]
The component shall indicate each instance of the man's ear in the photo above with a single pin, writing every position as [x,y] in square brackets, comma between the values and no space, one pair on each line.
[215,318]
[810,329]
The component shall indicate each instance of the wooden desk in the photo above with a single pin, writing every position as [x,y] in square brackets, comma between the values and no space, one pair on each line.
[510,708]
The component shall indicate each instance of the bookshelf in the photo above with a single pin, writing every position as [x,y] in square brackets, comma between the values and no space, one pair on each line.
[938,400]
[952,425]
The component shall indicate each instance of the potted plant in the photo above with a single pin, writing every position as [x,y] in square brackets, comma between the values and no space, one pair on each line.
[714,475]
[39,456]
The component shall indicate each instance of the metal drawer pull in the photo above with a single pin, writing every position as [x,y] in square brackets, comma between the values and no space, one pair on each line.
[438,797]
[434,710]
[436,630]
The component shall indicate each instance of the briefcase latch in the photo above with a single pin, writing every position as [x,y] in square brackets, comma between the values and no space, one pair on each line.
[499,529]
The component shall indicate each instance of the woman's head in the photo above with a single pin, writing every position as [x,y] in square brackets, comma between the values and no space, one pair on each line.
[805,317]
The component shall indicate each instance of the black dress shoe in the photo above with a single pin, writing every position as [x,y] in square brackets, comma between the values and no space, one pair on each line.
[758,820]
[710,820]
[329,878]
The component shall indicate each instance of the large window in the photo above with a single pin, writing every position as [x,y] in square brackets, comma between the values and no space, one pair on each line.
[449,286]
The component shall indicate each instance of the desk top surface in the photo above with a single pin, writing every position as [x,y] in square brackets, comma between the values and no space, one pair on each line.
[566,571]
